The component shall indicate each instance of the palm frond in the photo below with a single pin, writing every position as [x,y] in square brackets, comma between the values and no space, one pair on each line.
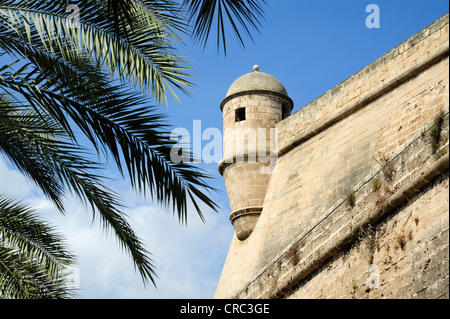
[62,84]
[142,54]
[242,15]
[119,124]
[64,162]
[33,257]
[22,134]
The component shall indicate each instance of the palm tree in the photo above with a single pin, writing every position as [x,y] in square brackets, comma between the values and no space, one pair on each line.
[58,90]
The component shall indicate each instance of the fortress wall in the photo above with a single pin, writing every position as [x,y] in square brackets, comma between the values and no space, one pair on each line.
[324,169]
[371,80]
[405,256]
[331,151]
[391,243]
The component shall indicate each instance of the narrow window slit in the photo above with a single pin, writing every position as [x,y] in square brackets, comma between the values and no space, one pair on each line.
[240,114]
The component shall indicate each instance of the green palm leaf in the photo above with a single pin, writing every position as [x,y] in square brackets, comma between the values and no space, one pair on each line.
[242,15]
[143,55]
[33,257]
[119,124]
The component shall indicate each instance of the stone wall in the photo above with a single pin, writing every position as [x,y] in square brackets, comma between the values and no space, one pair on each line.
[351,164]
[404,256]
[393,228]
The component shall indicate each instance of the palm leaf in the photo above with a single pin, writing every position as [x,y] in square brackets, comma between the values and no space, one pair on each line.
[118,124]
[144,56]
[33,257]
[64,163]
[242,15]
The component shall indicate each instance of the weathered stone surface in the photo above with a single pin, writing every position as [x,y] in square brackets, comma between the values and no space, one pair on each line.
[358,204]
[255,103]
[256,81]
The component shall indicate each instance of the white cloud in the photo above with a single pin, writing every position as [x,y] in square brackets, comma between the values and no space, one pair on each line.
[12,182]
[188,259]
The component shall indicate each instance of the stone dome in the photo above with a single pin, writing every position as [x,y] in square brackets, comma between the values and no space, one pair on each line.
[259,82]
[256,81]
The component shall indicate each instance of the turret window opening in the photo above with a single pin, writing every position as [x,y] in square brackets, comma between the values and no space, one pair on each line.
[240,114]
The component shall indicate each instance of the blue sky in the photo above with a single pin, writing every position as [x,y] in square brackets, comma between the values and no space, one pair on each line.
[310,46]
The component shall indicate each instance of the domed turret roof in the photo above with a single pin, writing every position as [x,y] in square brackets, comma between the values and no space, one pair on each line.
[256,81]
